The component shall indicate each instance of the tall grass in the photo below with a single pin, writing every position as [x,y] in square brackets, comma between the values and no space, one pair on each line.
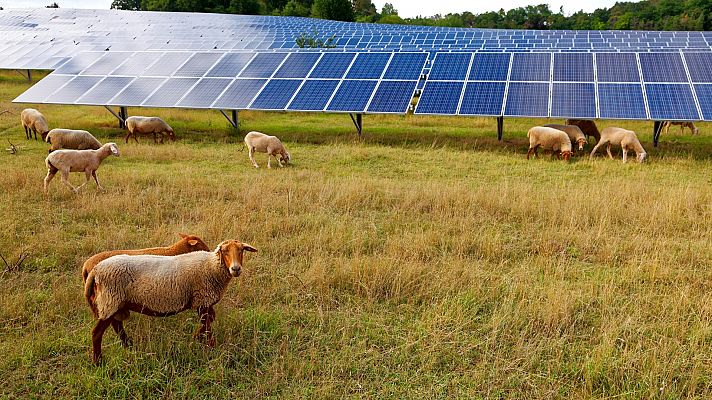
[425,261]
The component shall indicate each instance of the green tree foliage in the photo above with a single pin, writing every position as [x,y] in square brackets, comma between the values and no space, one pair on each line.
[337,10]
[126,5]
[295,8]
[365,11]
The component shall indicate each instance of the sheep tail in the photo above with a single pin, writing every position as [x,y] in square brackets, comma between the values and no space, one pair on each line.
[89,294]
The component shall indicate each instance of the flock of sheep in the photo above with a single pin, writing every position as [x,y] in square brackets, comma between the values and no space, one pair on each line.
[187,274]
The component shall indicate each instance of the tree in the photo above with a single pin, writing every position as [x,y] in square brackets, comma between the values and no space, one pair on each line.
[365,8]
[247,7]
[295,9]
[388,9]
[337,10]
[134,5]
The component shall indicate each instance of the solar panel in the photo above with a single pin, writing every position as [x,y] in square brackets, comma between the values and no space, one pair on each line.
[700,66]
[198,64]
[204,93]
[704,95]
[106,64]
[263,65]
[136,92]
[392,97]
[531,67]
[42,89]
[577,100]
[490,67]
[662,67]
[135,66]
[298,65]
[671,102]
[78,63]
[617,67]
[527,100]
[440,98]
[240,94]
[352,96]
[406,66]
[368,66]
[74,89]
[450,66]
[483,98]
[332,65]
[230,65]
[621,101]
[573,67]
[313,95]
[166,65]
[104,90]
[170,92]
[276,94]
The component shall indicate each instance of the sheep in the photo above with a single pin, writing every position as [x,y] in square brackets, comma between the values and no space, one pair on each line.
[144,125]
[575,134]
[187,244]
[86,161]
[161,286]
[549,139]
[71,139]
[33,121]
[588,127]
[256,141]
[621,137]
[683,125]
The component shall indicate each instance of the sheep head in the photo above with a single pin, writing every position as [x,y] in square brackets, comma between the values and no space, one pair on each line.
[581,142]
[642,157]
[113,148]
[171,134]
[286,157]
[567,155]
[193,243]
[230,253]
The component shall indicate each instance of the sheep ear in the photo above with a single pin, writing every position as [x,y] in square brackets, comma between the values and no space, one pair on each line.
[192,242]
[247,247]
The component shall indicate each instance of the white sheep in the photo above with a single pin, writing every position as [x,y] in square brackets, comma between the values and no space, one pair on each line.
[161,286]
[86,161]
[33,121]
[683,125]
[575,134]
[137,125]
[71,139]
[256,141]
[621,137]
[549,139]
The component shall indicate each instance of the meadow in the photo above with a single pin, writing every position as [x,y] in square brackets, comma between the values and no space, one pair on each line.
[424,260]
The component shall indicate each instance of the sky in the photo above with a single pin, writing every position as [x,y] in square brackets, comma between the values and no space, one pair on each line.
[406,8]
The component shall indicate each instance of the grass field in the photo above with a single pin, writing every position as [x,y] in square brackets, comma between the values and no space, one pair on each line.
[426,261]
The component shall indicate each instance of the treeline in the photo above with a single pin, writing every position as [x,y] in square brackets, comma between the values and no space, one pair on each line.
[693,15]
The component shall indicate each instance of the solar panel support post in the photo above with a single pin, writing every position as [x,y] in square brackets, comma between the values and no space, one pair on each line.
[358,122]
[500,128]
[27,75]
[657,129]
[120,116]
[232,119]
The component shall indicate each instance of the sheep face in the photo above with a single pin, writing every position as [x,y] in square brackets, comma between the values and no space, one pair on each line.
[286,157]
[581,142]
[567,155]
[230,253]
[114,149]
[44,137]
[194,243]
[642,157]
[171,135]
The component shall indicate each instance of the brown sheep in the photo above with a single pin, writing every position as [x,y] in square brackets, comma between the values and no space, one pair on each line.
[588,127]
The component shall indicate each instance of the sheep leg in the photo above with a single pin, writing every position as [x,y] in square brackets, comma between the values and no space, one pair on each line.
[154,138]
[269,160]
[207,316]
[96,335]
[27,133]
[599,144]
[51,172]
[88,176]
[93,173]
[252,158]
[608,150]
[625,154]
[35,131]
[162,137]
[119,329]
[65,180]
[128,135]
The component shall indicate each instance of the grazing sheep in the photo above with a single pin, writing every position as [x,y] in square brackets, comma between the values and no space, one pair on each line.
[71,139]
[621,137]
[683,125]
[256,141]
[160,286]
[549,139]
[588,127]
[187,244]
[575,134]
[33,121]
[145,125]
[86,161]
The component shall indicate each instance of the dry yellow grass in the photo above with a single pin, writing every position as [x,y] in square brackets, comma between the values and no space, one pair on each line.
[428,261]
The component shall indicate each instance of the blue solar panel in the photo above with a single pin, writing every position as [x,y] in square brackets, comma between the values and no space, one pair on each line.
[450,67]
[483,98]
[240,94]
[332,65]
[662,67]
[352,96]
[170,92]
[617,67]
[406,66]
[531,67]
[704,96]
[198,64]
[573,67]
[490,67]
[621,101]
[297,65]
[104,90]
[573,100]
[314,95]
[73,90]
[700,66]
[167,64]
[230,65]
[78,63]
[106,64]
[671,102]
[440,98]
[263,65]
[368,66]
[392,97]
[527,100]
[204,93]
[136,92]
[276,94]
[135,66]
[39,91]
